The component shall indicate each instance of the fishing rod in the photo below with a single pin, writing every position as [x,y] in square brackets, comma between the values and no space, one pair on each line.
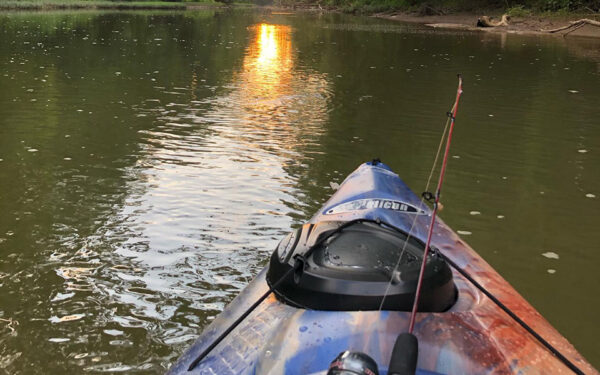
[406,348]
[436,204]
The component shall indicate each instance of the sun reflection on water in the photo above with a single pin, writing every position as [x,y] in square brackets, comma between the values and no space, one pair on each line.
[268,40]
[269,60]
[275,105]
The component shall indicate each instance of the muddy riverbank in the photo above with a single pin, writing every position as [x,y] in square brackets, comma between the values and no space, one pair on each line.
[516,25]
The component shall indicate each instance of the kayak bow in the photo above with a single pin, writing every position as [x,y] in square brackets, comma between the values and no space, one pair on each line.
[329,276]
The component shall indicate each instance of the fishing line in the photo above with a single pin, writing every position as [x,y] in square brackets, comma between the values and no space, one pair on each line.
[438,193]
[409,235]
[439,150]
[412,226]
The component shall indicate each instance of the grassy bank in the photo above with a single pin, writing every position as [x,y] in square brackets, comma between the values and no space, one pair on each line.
[99,4]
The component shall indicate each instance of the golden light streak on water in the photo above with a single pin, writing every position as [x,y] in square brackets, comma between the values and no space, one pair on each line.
[267,43]
[276,106]
[269,61]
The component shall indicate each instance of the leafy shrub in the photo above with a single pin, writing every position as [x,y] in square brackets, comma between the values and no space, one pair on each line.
[518,11]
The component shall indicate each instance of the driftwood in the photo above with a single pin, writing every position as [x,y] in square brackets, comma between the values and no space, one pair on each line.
[574,25]
[485,21]
[457,26]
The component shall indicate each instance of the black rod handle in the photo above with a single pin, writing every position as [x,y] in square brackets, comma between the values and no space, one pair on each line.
[404,355]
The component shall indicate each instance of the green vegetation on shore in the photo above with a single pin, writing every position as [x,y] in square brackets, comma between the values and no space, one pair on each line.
[99,4]
[440,7]
[516,8]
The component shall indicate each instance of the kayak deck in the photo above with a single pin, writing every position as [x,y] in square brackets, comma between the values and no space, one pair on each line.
[280,339]
[473,337]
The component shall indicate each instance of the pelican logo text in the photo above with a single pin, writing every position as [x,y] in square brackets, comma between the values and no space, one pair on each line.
[374,203]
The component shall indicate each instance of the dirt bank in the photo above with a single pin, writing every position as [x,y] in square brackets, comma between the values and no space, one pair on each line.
[517,25]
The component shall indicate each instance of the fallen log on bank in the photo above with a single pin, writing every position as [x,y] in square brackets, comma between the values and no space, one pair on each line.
[574,25]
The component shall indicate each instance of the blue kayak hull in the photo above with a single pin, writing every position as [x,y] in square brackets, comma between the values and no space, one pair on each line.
[472,337]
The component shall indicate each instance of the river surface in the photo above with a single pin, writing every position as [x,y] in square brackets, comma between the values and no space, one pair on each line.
[150,162]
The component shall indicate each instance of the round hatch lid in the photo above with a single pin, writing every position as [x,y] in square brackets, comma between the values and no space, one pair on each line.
[351,269]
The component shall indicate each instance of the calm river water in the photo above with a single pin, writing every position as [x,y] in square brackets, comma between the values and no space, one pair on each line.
[150,162]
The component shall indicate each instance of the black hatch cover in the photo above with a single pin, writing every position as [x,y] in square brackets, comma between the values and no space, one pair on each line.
[352,268]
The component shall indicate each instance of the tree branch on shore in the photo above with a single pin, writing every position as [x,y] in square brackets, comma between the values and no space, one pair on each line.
[575,25]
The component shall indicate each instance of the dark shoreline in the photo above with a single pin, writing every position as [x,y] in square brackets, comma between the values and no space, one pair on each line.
[104,5]
[525,25]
